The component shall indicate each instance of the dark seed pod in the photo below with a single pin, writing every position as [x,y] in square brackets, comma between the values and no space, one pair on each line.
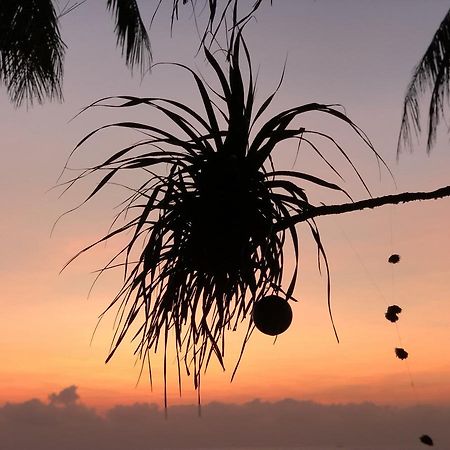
[392,313]
[394,259]
[272,315]
[401,353]
[425,439]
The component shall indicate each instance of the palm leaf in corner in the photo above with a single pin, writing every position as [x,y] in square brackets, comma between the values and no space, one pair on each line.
[31,51]
[432,74]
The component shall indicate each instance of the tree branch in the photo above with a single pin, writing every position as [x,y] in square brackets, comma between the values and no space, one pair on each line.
[371,203]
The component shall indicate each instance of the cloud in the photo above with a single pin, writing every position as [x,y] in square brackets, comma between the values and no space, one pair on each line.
[66,397]
[64,423]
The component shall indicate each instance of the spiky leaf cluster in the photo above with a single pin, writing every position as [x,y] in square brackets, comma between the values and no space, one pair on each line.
[212,228]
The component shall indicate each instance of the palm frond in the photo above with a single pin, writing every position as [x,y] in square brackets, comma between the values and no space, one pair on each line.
[432,74]
[132,36]
[31,51]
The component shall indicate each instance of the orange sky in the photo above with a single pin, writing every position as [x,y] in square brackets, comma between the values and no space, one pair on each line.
[360,55]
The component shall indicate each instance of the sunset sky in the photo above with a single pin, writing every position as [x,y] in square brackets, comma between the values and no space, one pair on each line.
[358,53]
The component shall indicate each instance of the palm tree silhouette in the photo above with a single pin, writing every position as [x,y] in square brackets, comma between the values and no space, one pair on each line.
[214,228]
[31,50]
[207,235]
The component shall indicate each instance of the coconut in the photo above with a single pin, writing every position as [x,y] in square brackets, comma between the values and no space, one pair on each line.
[272,315]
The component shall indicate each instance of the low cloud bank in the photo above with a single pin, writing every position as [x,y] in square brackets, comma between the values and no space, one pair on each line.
[66,424]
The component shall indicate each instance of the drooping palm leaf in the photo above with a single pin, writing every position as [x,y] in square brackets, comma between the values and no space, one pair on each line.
[131,33]
[31,50]
[208,234]
[432,74]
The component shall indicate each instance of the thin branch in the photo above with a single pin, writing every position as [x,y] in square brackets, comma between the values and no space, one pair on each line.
[327,210]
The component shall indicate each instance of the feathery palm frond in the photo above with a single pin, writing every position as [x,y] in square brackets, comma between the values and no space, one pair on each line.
[131,33]
[431,74]
[210,232]
[31,50]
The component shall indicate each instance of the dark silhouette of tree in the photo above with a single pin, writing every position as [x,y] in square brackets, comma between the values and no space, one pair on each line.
[213,230]
[209,224]
[32,50]
[432,75]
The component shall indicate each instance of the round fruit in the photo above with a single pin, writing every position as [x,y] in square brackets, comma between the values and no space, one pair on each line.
[272,315]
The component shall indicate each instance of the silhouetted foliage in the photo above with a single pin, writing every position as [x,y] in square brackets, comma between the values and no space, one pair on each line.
[211,233]
[208,226]
[132,36]
[432,74]
[32,51]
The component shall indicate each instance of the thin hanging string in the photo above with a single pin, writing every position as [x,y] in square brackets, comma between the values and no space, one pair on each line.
[394,295]
[381,296]
[361,262]
[393,250]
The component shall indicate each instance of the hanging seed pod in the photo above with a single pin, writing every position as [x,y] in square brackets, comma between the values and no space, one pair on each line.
[394,259]
[401,353]
[392,313]
[272,315]
[425,439]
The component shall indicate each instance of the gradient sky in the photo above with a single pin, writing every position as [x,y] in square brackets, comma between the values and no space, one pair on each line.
[358,53]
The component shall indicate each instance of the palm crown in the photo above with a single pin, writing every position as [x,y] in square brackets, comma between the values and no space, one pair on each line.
[212,229]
